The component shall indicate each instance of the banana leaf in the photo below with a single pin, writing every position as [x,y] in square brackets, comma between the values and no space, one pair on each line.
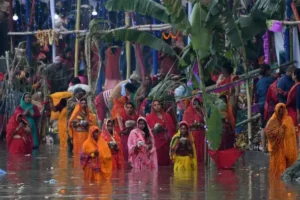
[140,37]
[217,43]
[143,7]
[201,35]
[178,15]
[220,16]
[214,132]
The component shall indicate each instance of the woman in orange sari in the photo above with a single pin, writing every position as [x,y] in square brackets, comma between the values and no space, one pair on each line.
[95,157]
[195,118]
[281,141]
[81,119]
[114,142]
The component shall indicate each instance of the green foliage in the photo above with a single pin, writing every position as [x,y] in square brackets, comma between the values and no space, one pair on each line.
[140,37]
[214,121]
[178,15]
[160,91]
[148,7]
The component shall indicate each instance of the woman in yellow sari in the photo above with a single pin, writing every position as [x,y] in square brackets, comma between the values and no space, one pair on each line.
[81,119]
[281,137]
[182,149]
[60,106]
[95,158]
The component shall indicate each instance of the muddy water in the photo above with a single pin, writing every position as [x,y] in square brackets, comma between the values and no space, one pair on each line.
[29,178]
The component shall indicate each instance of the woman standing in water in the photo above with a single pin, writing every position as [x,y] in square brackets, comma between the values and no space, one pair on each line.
[182,149]
[141,147]
[82,118]
[32,115]
[194,116]
[114,142]
[281,137]
[95,157]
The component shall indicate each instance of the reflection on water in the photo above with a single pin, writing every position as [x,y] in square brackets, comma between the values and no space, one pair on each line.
[28,177]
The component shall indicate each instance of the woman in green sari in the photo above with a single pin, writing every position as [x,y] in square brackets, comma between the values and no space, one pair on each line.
[32,114]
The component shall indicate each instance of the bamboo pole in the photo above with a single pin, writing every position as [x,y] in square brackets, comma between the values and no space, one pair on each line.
[11,25]
[52,11]
[147,27]
[77,38]
[128,52]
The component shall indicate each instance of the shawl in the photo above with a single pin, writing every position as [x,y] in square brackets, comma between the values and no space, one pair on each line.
[11,127]
[281,134]
[104,157]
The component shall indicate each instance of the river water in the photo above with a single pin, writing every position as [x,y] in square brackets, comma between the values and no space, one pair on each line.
[50,174]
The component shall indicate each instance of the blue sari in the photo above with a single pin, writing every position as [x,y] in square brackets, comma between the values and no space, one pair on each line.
[31,120]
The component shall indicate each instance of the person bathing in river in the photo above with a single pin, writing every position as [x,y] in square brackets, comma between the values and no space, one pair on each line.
[80,121]
[32,115]
[182,149]
[18,135]
[95,157]
[281,137]
[141,147]
[114,143]
[194,116]
[163,128]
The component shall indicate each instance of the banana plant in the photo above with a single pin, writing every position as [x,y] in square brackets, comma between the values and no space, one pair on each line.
[215,30]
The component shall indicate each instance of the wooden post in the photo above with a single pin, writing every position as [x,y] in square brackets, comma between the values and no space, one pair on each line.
[77,40]
[28,37]
[128,49]
[11,25]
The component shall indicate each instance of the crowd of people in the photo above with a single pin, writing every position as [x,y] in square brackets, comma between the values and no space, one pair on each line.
[129,129]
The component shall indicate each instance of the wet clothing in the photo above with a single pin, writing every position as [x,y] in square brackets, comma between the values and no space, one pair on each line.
[281,142]
[95,158]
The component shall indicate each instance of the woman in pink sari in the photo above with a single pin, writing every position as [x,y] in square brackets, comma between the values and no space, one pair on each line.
[195,118]
[141,147]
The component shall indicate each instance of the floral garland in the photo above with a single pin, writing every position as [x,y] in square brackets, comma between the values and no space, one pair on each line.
[170,35]
[46,37]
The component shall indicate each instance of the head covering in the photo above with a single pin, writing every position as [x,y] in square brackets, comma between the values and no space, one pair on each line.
[24,105]
[57,60]
[135,77]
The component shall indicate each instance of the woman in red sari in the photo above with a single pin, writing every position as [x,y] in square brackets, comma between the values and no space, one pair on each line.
[163,128]
[225,78]
[32,114]
[114,143]
[293,99]
[18,135]
[195,118]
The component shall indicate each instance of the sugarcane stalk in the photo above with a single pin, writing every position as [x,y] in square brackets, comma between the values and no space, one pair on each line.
[203,89]
[77,38]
